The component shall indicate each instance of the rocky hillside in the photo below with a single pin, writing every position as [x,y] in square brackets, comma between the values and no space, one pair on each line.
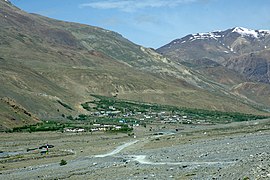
[255,66]
[14,115]
[232,57]
[50,67]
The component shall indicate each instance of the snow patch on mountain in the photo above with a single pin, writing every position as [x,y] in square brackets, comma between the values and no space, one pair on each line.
[220,36]
[216,35]
[245,32]
[264,32]
[209,35]
[250,32]
[7,1]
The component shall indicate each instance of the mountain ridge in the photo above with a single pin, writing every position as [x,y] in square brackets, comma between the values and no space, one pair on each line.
[225,39]
[239,54]
[57,61]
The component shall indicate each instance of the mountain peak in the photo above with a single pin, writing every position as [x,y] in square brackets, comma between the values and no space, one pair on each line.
[246,32]
[250,32]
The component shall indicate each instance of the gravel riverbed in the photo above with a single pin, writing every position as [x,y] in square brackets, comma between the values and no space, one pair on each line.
[238,152]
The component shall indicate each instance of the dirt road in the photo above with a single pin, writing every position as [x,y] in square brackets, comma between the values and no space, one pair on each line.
[118,149]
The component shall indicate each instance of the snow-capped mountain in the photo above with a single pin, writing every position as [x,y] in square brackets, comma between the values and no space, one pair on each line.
[222,35]
[235,41]
[232,48]
[243,32]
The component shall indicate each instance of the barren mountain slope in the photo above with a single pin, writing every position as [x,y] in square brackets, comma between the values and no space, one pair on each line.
[48,65]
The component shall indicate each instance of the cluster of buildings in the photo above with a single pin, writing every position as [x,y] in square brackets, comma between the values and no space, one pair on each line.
[74,130]
[162,117]
[105,127]
[135,118]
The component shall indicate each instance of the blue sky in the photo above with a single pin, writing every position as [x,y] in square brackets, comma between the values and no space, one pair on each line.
[154,23]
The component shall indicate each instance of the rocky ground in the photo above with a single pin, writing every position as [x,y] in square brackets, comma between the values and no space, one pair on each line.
[231,151]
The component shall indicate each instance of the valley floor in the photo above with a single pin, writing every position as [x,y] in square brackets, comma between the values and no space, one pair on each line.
[231,151]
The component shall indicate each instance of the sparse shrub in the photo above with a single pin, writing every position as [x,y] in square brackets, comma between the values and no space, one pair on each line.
[63,162]
[86,106]
[64,105]
[130,134]
[70,117]
[82,117]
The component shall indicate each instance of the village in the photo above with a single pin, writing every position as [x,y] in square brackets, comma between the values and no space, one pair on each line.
[147,116]
[109,114]
[113,119]
[117,115]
